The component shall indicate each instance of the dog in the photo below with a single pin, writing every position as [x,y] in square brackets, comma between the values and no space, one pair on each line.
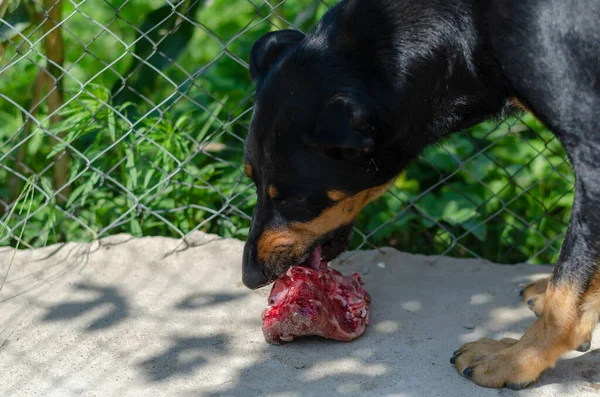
[339,113]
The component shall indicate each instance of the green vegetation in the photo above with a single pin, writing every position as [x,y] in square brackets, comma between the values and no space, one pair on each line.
[152,114]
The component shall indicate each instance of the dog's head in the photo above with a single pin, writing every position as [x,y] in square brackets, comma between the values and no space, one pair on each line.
[313,153]
[338,114]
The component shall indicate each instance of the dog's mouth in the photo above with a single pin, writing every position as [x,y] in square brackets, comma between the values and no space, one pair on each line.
[315,259]
[328,249]
[318,256]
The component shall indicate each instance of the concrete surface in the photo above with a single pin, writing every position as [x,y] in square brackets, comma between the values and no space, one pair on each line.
[154,316]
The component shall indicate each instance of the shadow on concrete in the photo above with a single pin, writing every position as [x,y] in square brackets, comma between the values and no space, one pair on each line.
[289,372]
[185,356]
[190,242]
[583,369]
[105,297]
[76,257]
[399,343]
[202,300]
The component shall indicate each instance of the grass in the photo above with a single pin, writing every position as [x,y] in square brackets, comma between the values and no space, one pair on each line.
[26,194]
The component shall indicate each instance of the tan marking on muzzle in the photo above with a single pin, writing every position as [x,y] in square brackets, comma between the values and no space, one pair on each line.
[294,240]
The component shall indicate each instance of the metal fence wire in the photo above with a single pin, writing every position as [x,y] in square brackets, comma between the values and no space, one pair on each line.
[128,116]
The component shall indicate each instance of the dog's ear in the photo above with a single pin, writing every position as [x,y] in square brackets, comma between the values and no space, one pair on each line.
[344,129]
[267,50]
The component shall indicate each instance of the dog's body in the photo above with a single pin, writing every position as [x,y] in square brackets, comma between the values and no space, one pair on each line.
[341,112]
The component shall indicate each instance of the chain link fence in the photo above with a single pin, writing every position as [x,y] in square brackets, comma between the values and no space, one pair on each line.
[128,116]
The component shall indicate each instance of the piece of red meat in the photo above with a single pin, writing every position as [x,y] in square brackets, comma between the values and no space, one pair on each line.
[316,301]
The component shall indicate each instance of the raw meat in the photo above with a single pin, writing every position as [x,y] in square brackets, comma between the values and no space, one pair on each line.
[316,301]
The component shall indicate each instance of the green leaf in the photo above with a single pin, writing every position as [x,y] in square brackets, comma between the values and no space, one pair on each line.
[476,228]
[161,39]
[430,205]
[135,228]
[211,119]
[440,159]
[47,186]
[78,191]
[89,188]
[207,171]
[458,209]
[16,19]
[243,232]
[36,141]
[112,131]
[131,182]
[148,177]
[75,167]
[75,131]
[479,168]
[566,200]
[95,178]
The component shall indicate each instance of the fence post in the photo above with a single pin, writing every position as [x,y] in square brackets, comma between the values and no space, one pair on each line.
[55,53]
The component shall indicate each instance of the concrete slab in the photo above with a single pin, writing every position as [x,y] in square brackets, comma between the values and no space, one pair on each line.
[154,316]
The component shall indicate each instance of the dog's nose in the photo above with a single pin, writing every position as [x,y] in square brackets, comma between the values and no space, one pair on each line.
[254,278]
[253,275]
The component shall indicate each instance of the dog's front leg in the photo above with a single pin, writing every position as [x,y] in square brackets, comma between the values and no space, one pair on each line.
[571,307]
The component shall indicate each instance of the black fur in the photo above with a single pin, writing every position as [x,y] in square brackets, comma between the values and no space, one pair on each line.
[348,107]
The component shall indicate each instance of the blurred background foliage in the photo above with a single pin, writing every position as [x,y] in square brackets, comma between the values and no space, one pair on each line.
[147,103]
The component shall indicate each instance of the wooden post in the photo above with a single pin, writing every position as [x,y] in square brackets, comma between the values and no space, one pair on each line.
[55,54]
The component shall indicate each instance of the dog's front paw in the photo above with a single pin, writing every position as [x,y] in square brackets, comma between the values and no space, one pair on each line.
[492,363]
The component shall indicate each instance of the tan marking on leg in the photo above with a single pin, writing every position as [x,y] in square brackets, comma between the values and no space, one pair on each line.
[248,170]
[550,335]
[590,312]
[299,236]
[515,363]
[534,295]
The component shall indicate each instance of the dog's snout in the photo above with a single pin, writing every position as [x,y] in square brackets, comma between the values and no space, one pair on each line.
[253,275]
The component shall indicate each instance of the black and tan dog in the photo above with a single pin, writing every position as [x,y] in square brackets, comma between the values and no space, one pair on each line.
[341,112]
